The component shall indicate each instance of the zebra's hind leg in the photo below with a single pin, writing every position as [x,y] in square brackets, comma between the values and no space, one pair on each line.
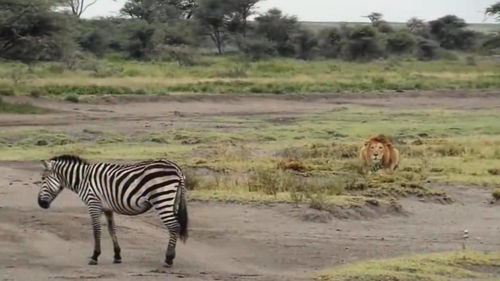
[95,215]
[173,229]
[112,232]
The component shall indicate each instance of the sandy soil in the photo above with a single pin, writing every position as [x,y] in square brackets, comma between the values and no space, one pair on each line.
[227,241]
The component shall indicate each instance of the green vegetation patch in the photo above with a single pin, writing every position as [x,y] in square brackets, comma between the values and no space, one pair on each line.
[424,267]
[20,108]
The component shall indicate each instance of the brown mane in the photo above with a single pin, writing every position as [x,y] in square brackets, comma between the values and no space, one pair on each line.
[390,159]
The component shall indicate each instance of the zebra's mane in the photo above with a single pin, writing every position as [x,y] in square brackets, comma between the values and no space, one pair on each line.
[70,158]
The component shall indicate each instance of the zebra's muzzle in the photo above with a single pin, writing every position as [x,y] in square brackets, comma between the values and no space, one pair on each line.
[44,204]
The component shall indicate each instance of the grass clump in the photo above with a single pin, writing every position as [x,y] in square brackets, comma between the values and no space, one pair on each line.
[19,108]
[428,267]
[496,194]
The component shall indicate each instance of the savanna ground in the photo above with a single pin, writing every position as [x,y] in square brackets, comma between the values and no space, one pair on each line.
[276,190]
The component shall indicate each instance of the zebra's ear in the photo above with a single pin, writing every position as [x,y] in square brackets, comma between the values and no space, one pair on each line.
[46,164]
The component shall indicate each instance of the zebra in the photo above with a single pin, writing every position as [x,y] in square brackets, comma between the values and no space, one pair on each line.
[129,189]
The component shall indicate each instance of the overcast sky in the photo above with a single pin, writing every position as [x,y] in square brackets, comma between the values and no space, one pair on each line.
[351,10]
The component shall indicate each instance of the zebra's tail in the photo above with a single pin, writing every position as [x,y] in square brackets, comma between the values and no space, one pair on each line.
[182,213]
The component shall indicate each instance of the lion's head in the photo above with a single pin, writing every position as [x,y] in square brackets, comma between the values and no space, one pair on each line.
[379,151]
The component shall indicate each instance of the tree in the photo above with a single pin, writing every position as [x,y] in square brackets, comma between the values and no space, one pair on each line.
[494,11]
[362,44]
[400,42]
[95,42]
[242,9]
[305,44]
[144,38]
[159,10]
[330,42]
[450,32]
[148,10]
[426,50]
[214,17]
[78,7]
[375,18]
[185,7]
[380,24]
[30,30]
[418,27]
[279,29]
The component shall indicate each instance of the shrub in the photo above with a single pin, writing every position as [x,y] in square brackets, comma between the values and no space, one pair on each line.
[305,44]
[258,49]
[183,55]
[400,42]
[496,194]
[192,179]
[237,70]
[291,164]
[426,50]
[330,42]
[471,60]
[72,98]
[36,93]
[7,92]
[362,44]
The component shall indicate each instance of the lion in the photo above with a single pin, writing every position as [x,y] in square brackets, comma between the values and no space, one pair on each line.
[378,153]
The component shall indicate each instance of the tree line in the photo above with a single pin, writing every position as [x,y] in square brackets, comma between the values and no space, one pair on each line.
[44,30]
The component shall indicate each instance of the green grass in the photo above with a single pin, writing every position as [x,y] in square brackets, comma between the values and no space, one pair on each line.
[425,267]
[309,159]
[19,108]
[231,75]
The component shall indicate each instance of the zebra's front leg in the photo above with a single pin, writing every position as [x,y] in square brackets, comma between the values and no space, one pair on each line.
[112,232]
[95,215]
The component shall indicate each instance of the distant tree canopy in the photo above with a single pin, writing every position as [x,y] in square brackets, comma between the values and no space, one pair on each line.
[78,7]
[35,30]
[494,11]
[30,30]
[278,28]
[450,32]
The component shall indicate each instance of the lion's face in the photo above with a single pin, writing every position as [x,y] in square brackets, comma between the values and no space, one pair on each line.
[376,151]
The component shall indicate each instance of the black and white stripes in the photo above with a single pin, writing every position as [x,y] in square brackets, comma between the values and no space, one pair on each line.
[124,189]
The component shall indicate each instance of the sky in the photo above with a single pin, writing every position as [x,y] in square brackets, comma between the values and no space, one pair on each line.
[350,10]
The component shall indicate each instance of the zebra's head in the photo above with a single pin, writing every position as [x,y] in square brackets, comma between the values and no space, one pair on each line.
[51,186]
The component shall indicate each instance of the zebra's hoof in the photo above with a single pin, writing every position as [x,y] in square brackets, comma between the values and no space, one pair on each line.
[168,264]
[92,262]
[117,261]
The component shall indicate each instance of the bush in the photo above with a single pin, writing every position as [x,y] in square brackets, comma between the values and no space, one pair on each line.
[183,55]
[237,70]
[427,50]
[291,164]
[400,42]
[7,92]
[279,29]
[95,42]
[258,49]
[305,44]
[362,44]
[192,179]
[496,194]
[36,93]
[58,90]
[72,98]
[330,42]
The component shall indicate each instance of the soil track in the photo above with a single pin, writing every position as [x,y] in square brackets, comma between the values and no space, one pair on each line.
[227,241]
